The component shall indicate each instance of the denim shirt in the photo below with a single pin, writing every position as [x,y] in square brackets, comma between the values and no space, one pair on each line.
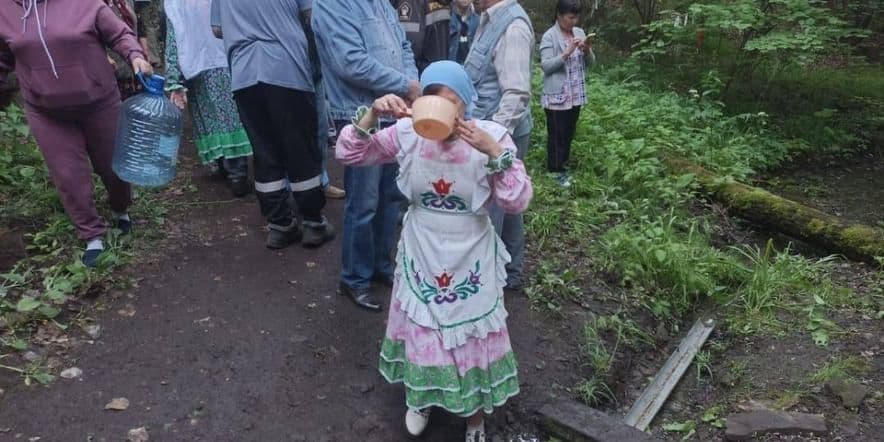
[472,23]
[364,53]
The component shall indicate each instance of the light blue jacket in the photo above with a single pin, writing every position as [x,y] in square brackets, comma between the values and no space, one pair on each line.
[364,53]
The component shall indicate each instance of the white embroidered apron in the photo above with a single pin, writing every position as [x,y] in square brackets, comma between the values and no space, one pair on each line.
[451,264]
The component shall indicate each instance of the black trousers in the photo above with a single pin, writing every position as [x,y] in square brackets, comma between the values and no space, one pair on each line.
[282,127]
[560,127]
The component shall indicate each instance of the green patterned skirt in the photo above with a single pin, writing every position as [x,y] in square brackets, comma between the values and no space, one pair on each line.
[478,376]
[217,129]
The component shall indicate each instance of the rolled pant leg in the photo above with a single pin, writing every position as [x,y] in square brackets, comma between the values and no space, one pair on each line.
[271,184]
[63,146]
[511,228]
[100,129]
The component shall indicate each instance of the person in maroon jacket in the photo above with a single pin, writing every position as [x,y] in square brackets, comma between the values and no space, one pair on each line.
[71,100]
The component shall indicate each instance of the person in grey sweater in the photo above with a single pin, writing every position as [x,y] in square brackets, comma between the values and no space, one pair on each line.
[564,52]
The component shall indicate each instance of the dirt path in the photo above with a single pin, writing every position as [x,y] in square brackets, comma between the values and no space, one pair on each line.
[230,341]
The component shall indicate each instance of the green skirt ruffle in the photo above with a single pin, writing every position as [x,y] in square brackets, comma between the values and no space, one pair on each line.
[217,129]
[444,387]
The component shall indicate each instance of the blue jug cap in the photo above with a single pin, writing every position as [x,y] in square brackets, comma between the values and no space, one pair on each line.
[153,84]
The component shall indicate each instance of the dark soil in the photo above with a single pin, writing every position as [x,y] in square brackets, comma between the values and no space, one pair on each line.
[230,341]
[851,188]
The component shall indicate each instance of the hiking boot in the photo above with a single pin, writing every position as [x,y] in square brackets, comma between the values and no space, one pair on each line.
[317,234]
[281,237]
[335,193]
[239,187]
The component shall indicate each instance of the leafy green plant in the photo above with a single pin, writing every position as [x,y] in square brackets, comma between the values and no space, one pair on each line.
[689,428]
[550,287]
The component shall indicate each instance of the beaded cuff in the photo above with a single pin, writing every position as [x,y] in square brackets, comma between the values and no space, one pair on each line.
[362,133]
[500,164]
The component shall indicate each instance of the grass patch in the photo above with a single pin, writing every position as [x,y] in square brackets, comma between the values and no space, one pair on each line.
[35,290]
[840,367]
[641,226]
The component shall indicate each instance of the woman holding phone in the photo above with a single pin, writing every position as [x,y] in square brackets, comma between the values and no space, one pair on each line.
[564,52]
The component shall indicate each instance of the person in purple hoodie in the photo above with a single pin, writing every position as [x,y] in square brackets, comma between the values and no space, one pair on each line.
[71,100]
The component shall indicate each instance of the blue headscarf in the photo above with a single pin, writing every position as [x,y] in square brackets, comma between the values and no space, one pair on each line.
[453,76]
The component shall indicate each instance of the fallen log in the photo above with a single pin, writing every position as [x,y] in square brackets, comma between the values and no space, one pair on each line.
[855,241]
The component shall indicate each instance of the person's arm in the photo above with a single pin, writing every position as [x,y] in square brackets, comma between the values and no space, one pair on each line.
[511,187]
[550,61]
[119,37]
[345,53]
[510,184]
[512,61]
[174,77]
[215,19]
[361,144]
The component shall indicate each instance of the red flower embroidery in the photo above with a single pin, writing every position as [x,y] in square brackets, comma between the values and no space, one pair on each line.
[442,187]
[444,280]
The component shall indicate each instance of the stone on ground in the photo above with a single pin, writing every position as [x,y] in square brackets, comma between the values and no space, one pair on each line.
[117,404]
[138,435]
[71,373]
[745,426]
[851,394]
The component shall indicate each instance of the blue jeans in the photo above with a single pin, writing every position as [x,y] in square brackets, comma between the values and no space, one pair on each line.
[371,211]
[511,228]
[322,135]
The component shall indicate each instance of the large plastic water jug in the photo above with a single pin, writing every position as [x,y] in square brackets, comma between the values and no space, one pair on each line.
[148,135]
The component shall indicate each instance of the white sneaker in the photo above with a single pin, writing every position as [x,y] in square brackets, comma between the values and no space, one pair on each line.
[476,434]
[416,421]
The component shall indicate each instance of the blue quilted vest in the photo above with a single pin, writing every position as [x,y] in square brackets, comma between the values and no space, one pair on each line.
[480,67]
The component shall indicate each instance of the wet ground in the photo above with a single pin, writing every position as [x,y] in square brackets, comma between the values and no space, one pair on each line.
[851,188]
[222,339]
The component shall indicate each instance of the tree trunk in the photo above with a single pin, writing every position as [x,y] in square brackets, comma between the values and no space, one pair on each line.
[855,241]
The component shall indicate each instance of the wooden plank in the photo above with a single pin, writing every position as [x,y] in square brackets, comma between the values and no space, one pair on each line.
[574,422]
[654,396]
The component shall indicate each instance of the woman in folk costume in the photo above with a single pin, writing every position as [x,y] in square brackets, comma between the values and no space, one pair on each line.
[446,338]
[198,74]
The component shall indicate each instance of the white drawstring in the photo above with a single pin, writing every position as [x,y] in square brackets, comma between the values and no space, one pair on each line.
[32,7]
